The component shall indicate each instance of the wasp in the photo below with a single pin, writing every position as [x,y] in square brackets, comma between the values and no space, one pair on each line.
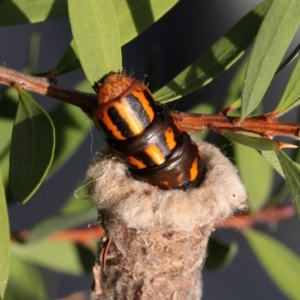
[144,135]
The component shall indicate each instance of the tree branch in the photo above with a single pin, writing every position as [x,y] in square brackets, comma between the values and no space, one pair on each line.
[265,125]
[48,87]
[269,215]
[262,125]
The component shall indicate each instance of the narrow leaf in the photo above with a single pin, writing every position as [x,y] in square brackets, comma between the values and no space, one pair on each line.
[202,108]
[222,55]
[8,107]
[291,95]
[60,221]
[78,210]
[292,174]
[272,158]
[80,201]
[133,18]
[32,148]
[59,256]
[68,62]
[28,11]
[251,141]
[72,127]
[219,255]
[294,54]
[5,241]
[233,97]
[136,16]
[28,280]
[4,167]
[257,175]
[281,263]
[274,37]
[96,35]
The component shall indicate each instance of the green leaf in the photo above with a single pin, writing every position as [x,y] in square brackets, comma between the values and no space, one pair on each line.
[32,148]
[294,54]
[136,16]
[133,17]
[14,12]
[5,241]
[25,281]
[292,174]
[219,255]
[203,108]
[281,263]
[59,256]
[222,55]
[272,158]
[8,107]
[72,127]
[96,35]
[257,175]
[68,62]
[291,95]
[78,210]
[281,189]
[80,201]
[251,141]
[4,168]
[233,97]
[274,37]
[60,222]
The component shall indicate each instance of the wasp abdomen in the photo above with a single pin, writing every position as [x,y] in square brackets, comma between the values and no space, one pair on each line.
[144,135]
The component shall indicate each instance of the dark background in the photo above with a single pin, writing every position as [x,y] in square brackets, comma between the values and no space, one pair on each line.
[180,37]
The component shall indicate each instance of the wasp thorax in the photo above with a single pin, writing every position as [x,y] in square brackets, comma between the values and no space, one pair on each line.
[113,87]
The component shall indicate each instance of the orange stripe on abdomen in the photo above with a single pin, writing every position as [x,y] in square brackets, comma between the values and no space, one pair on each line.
[155,154]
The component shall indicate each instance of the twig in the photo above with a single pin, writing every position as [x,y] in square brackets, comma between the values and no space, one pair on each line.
[268,215]
[82,236]
[44,86]
[264,125]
